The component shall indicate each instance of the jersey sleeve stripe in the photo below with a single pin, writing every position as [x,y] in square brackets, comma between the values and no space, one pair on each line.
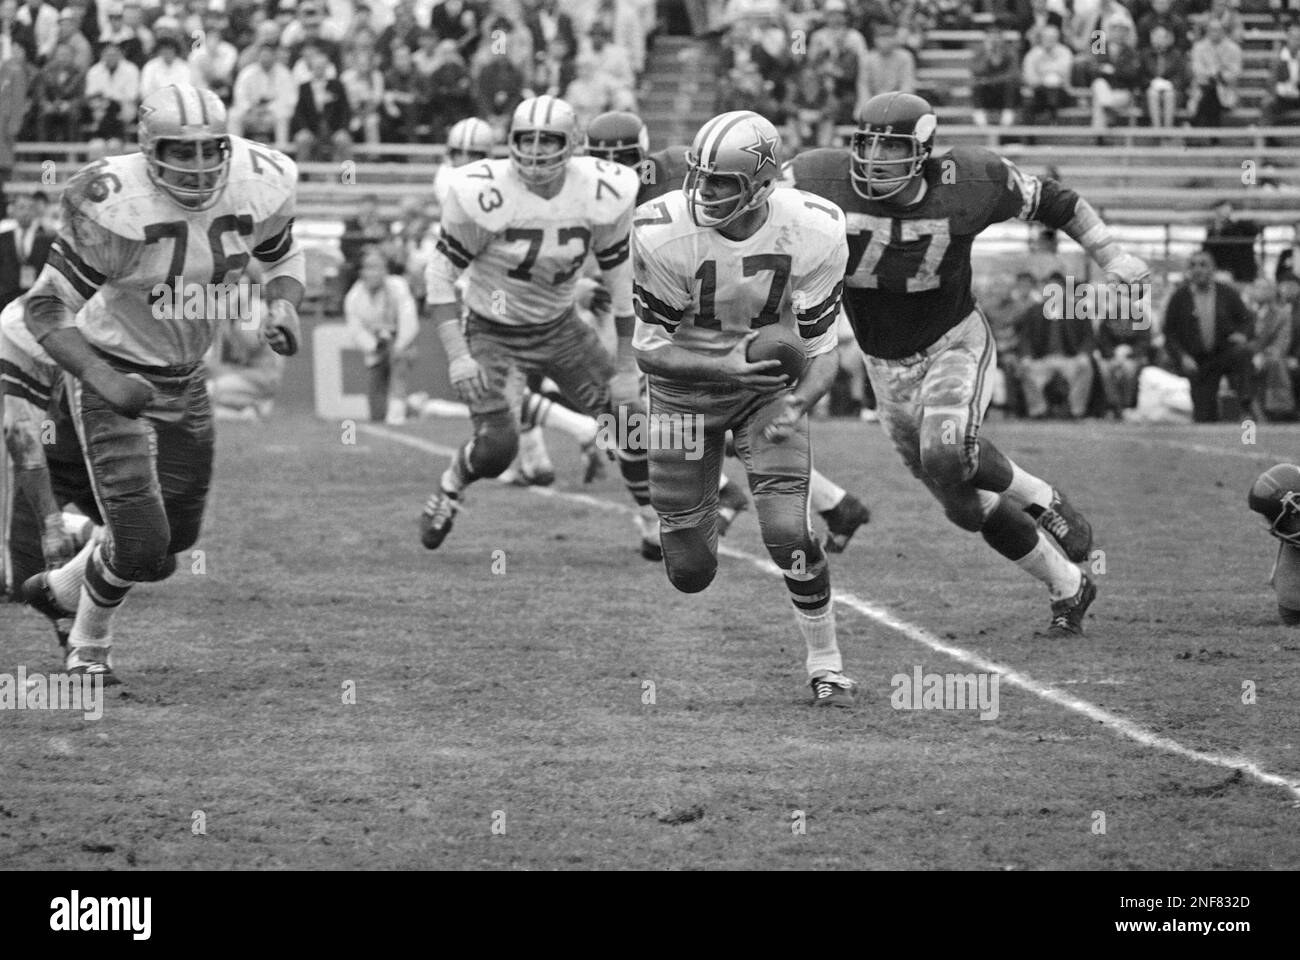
[669,313]
[18,384]
[818,310]
[276,247]
[613,256]
[86,270]
[450,249]
[57,261]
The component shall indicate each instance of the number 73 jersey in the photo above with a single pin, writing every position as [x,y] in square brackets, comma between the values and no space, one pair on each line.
[699,290]
[156,280]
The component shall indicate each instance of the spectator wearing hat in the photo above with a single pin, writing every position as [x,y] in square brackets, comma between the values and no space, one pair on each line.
[322,115]
[264,99]
[116,79]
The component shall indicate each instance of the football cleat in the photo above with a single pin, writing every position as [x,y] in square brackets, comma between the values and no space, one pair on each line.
[593,462]
[435,521]
[832,689]
[91,661]
[843,520]
[1066,525]
[731,501]
[36,593]
[1067,614]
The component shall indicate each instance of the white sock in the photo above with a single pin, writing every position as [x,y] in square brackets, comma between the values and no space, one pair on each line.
[577,425]
[451,480]
[723,480]
[65,582]
[532,451]
[1047,563]
[1027,490]
[94,624]
[823,493]
[819,635]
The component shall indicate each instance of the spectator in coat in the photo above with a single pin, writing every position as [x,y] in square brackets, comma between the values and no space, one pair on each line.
[24,247]
[1207,331]
[117,79]
[1163,14]
[13,31]
[62,88]
[1283,103]
[321,118]
[997,81]
[1165,69]
[1271,348]
[264,99]
[1052,345]
[1117,75]
[1046,74]
[1216,70]
[165,68]
[1122,351]
[1231,242]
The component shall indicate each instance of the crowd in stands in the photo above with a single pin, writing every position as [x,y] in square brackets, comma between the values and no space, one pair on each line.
[321,74]
[810,66]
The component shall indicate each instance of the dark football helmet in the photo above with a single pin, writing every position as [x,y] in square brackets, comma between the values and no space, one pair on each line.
[1276,497]
[886,120]
[619,137]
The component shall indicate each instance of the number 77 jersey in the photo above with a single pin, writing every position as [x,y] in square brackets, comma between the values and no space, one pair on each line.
[699,290]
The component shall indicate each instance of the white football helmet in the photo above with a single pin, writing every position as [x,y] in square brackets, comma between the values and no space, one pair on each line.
[741,147]
[537,121]
[185,114]
[469,140]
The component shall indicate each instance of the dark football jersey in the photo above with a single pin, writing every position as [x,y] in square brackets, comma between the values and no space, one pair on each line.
[662,172]
[909,272]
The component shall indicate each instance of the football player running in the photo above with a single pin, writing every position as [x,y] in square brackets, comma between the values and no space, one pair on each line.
[468,141]
[179,219]
[520,229]
[1275,495]
[712,263]
[621,137]
[911,220]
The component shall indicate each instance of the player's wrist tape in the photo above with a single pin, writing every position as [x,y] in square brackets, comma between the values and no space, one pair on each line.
[453,340]
[1087,229]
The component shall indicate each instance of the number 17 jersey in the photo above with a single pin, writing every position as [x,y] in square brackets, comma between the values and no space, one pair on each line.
[696,289]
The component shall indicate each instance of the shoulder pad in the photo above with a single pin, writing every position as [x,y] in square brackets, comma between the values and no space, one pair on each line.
[263,177]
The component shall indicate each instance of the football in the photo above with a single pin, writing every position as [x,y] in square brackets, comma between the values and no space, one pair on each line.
[775,342]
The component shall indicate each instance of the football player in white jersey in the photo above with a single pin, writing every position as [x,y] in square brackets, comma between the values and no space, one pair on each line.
[712,264]
[470,140]
[519,229]
[149,246]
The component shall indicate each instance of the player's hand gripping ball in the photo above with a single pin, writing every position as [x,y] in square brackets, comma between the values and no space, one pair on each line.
[776,342]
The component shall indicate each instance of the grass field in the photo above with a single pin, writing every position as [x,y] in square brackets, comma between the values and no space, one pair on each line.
[500,717]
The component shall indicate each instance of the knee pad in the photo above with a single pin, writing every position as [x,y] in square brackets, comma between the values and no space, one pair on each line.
[495,445]
[947,453]
[142,568]
[691,564]
[165,569]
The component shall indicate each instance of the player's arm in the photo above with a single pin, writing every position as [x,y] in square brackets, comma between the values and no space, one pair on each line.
[1051,204]
[613,258]
[284,276]
[816,298]
[459,241]
[82,259]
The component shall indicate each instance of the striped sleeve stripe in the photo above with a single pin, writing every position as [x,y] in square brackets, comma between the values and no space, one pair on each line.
[669,313]
[448,251]
[646,315]
[59,262]
[269,251]
[15,383]
[817,310]
[92,275]
[614,255]
[813,329]
[455,247]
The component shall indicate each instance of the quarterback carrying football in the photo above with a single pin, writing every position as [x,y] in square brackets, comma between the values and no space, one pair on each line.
[912,218]
[713,263]
[520,230]
[188,210]
[621,137]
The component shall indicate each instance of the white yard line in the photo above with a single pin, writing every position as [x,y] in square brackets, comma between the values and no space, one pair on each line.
[1116,724]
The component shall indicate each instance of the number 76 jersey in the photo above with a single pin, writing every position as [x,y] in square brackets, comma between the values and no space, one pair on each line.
[699,290]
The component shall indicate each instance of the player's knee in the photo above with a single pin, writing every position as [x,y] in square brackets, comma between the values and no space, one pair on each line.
[965,511]
[143,561]
[945,457]
[690,562]
[1290,618]
[495,447]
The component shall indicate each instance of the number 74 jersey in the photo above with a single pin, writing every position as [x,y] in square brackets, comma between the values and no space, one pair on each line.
[697,289]
[156,280]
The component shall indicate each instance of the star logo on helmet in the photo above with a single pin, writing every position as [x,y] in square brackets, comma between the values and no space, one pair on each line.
[764,149]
